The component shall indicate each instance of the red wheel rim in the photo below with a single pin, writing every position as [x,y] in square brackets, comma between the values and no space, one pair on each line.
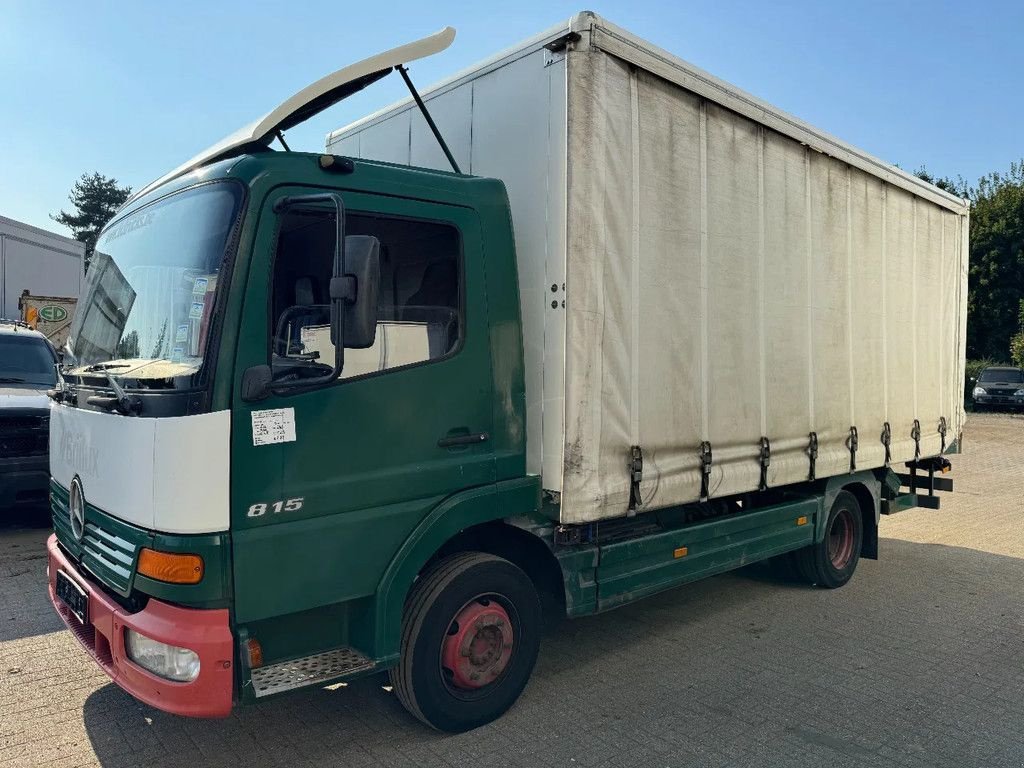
[479,644]
[840,539]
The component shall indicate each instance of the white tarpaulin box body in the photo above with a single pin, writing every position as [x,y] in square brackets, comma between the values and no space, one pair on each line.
[730,275]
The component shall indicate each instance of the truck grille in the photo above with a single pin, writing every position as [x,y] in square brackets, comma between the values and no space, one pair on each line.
[22,436]
[104,554]
[109,557]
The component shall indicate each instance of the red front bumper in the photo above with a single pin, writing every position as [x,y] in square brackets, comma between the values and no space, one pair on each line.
[204,631]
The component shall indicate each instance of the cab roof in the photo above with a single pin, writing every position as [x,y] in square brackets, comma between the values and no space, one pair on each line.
[273,167]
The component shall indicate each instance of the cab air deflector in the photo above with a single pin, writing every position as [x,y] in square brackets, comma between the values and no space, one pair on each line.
[310,101]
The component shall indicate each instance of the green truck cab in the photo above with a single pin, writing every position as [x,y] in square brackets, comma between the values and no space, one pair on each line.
[292,447]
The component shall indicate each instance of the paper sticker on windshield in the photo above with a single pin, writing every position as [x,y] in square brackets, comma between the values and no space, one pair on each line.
[181,334]
[276,425]
[196,312]
[199,286]
[177,354]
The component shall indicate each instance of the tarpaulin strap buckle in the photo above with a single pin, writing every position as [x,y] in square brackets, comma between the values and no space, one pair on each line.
[636,475]
[812,452]
[851,441]
[915,433]
[942,432]
[705,469]
[886,441]
[766,460]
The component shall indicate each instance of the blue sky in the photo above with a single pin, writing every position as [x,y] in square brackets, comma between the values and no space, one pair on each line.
[134,89]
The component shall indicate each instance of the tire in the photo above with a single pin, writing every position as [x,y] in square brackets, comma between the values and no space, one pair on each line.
[455,677]
[831,562]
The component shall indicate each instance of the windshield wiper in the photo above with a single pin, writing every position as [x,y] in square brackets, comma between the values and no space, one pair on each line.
[121,401]
[11,380]
[106,367]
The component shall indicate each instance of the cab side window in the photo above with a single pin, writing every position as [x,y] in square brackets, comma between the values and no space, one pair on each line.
[419,313]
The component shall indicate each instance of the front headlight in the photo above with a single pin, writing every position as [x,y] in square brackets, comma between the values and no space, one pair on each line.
[979,391]
[167,661]
[1019,393]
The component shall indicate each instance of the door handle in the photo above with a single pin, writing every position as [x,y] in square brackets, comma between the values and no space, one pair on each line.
[453,441]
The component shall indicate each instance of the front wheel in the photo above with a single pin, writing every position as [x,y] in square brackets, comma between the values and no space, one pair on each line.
[470,637]
[831,562]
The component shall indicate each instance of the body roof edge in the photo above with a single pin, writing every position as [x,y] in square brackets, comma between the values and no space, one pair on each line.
[707,86]
[760,111]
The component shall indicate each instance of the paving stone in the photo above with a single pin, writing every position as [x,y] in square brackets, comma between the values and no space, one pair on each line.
[916,662]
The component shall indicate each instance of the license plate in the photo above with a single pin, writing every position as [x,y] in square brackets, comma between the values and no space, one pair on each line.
[73,596]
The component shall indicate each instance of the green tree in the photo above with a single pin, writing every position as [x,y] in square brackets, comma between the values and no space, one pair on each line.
[95,198]
[996,272]
[958,187]
[1017,342]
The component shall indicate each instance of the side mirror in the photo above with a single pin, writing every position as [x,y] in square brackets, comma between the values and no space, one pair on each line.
[256,383]
[357,292]
[353,293]
[344,291]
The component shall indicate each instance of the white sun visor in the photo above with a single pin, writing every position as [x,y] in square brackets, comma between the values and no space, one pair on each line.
[313,99]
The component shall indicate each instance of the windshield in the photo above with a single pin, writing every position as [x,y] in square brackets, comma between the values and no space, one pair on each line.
[1008,375]
[150,289]
[26,360]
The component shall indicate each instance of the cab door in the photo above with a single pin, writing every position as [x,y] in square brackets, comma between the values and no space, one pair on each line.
[328,483]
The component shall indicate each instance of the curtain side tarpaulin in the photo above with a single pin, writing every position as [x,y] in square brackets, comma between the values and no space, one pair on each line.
[725,283]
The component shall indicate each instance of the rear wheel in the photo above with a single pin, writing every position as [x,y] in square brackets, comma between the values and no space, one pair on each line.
[470,637]
[831,562]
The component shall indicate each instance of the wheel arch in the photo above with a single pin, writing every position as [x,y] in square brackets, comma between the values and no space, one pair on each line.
[866,488]
[478,512]
[521,548]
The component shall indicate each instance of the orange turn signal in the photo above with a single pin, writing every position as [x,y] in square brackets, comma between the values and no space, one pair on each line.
[255,651]
[171,567]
